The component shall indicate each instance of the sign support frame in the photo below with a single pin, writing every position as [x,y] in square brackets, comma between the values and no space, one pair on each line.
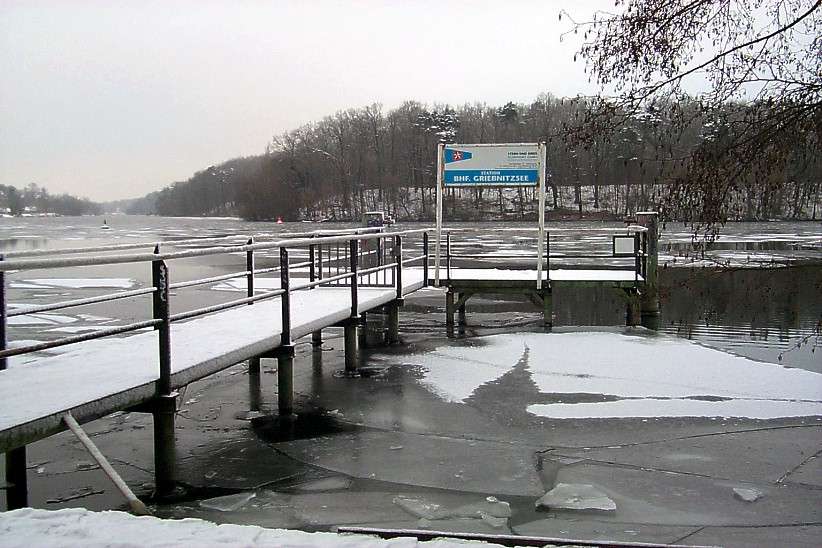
[542,183]
[440,149]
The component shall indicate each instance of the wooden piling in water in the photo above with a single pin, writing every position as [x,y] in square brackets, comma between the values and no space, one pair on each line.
[649,306]
[17,492]
[164,411]
[393,322]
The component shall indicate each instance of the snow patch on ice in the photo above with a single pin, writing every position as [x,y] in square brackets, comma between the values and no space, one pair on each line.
[649,376]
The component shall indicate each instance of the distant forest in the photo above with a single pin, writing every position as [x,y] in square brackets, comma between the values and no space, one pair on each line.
[366,159]
[34,200]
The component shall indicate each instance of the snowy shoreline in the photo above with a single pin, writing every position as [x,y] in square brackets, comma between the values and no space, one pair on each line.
[29,527]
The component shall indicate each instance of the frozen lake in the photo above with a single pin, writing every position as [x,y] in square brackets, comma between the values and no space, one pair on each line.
[664,428]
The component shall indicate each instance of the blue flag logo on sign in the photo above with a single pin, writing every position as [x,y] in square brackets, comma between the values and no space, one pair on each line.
[452,155]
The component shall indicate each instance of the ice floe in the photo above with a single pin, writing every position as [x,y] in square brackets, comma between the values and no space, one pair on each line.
[632,375]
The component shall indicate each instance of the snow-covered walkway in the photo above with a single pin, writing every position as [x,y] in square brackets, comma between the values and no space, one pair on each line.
[106,375]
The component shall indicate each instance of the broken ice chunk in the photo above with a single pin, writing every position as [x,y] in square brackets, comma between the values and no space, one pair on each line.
[576,496]
[747,495]
[333,483]
[420,508]
[227,503]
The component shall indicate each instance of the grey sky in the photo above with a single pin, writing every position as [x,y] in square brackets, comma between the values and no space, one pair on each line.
[113,99]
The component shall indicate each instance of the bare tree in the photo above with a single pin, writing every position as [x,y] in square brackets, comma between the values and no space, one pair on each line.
[760,62]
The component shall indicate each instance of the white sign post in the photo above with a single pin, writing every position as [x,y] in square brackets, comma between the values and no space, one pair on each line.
[491,165]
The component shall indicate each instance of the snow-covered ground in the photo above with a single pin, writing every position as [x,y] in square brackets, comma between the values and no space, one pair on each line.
[28,527]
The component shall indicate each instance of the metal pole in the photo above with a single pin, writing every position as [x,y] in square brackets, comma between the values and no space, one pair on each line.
[398,260]
[136,504]
[285,336]
[311,259]
[353,248]
[165,405]
[314,274]
[3,361]
[285,359]
[351,326]
[448,255]
[425,260]
[440,149]
[159,279]
[543,175]
[249,267]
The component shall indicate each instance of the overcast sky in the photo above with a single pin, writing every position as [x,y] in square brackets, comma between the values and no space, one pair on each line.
[113,99]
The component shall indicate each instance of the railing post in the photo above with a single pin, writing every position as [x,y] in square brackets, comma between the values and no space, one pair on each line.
[351,326]
[316,336]
[398,260]
[311,258]
[353,265]
[249,268]
[17,492]
[159,279]
[285,357]
[448,255]
[3,361]
[637,259]
[165,404]
[254,396]
[425,261]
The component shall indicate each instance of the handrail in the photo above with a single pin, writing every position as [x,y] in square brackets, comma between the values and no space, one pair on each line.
[224,306]
[160,287]
[152,245]
[35,264]
[97,334]
[79,302]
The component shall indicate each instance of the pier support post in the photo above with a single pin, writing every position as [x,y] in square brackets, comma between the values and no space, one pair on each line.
[461,309]
[254,385]
[547,309]
[394,321]
[449,309]
[649,308]
[17,493]
[317,338]
[632,308]
[362,332]
[165,449]
[285,380]
[351,350]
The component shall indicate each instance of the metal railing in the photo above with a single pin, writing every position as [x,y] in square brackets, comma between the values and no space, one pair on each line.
[370,259]
[636,261]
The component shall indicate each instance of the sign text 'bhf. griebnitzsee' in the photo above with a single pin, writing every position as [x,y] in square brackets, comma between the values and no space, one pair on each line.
[483,165]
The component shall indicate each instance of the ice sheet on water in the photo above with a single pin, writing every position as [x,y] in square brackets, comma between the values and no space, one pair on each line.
[333,483]
[74,283]
[227,503]
[40,319]
[491,510]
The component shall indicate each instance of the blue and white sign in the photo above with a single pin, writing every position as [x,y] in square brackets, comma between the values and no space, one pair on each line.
[491,165]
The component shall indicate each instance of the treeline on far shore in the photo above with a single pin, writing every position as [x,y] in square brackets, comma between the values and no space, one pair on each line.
[36,200]
[370,159]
